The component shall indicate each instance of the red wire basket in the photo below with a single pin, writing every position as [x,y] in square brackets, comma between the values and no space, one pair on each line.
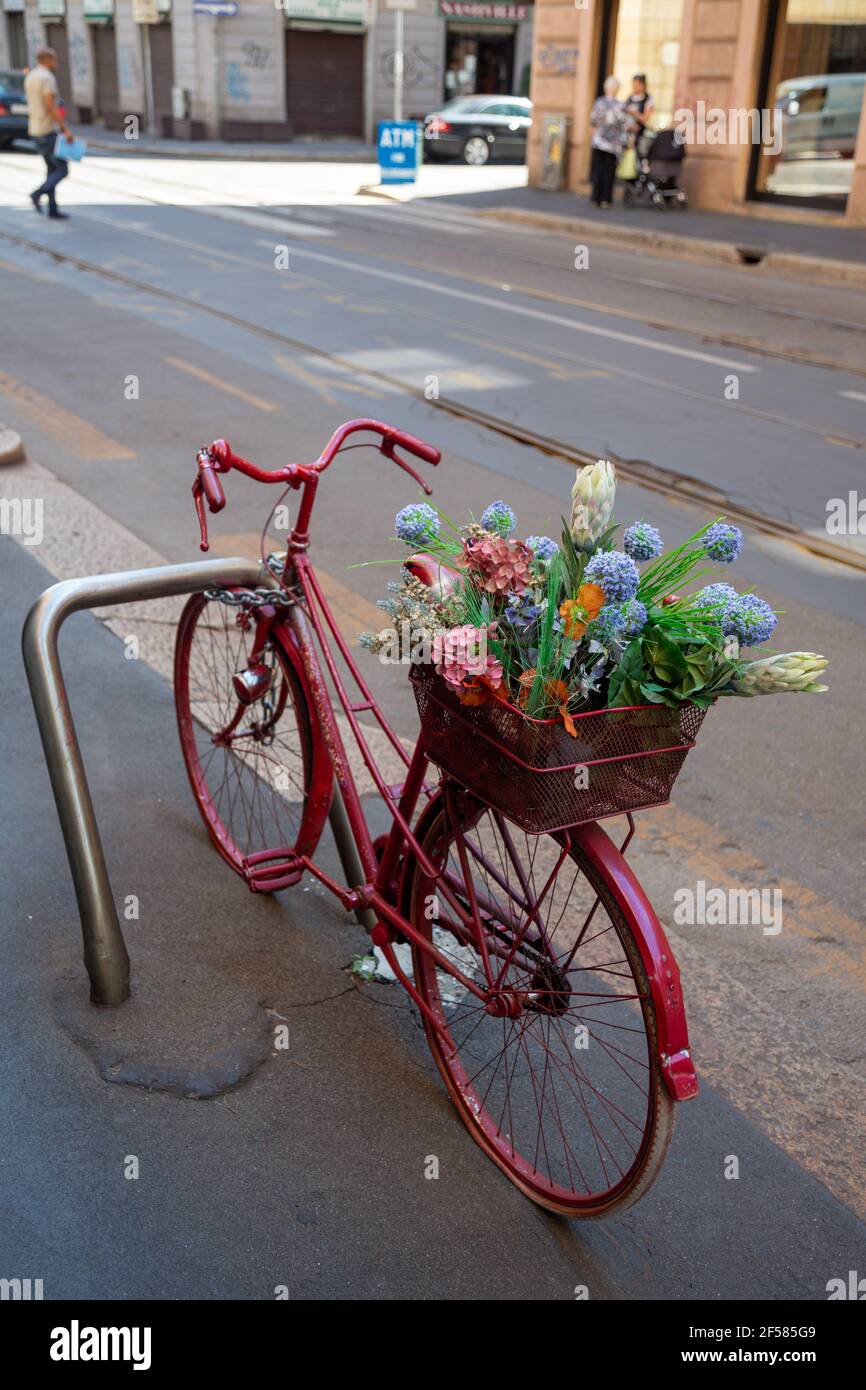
[536,773]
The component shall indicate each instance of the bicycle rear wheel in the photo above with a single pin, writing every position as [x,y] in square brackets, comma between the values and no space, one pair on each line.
[556,1076]
[250,765]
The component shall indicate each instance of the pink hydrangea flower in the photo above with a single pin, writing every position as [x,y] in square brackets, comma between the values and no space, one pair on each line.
[461,654]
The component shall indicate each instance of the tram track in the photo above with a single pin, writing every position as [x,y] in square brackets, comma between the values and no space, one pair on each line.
[425,231]
[677,487]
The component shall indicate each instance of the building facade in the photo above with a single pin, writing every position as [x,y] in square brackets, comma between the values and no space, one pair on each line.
[771,94]
[266,70]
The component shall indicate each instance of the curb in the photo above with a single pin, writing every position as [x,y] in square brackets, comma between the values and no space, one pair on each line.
[380,190]
[788,264]
[265,155]
[11,447]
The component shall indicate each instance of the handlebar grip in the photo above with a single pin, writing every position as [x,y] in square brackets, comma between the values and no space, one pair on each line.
[416,446]
[212,488]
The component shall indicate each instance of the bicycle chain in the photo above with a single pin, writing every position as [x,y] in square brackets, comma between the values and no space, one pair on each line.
[258,597]
[250,598]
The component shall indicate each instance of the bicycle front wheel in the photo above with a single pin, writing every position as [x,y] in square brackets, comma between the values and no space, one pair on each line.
[555,1073]
[250,764]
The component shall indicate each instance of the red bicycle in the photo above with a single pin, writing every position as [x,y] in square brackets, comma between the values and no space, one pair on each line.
[550,998]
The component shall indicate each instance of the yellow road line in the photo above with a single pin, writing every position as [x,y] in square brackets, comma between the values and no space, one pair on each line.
[76,435]
[221,384]
[324,385]
[557,368]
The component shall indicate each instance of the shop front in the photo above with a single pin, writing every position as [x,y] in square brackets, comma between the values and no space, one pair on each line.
[771,93]
[324,66]
[814,76]
[16,33]
[53,16]
[484,54]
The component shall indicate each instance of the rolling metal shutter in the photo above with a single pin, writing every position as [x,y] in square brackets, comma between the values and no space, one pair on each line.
[161,68]
[16,36]
[107,98]
[325,82]
[57,38]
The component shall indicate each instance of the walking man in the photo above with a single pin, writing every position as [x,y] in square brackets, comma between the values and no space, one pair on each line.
[44,120]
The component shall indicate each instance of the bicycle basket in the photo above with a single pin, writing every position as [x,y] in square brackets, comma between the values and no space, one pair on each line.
[536,774]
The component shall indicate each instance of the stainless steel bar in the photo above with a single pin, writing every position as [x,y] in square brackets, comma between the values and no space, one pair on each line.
[105,954]
[348,851]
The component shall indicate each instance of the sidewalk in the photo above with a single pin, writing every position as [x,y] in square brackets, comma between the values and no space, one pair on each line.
[315,150]
[812,244]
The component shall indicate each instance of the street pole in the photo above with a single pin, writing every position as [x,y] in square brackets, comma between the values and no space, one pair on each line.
[398,65]
[150,112]
[217,66]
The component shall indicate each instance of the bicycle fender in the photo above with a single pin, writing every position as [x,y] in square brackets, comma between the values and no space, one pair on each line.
[659,961]
[322,783]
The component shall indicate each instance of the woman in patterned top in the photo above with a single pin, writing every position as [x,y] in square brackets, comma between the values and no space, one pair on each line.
[610,124]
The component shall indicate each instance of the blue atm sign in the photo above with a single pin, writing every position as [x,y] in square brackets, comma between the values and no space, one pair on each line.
[399,151]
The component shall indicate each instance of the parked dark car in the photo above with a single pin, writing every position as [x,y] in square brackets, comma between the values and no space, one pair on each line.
[478,129]
[13,107]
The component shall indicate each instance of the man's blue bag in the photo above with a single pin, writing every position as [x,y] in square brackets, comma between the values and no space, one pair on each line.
[65,148]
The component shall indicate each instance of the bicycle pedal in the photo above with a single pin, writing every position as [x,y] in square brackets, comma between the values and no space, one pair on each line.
[270,870]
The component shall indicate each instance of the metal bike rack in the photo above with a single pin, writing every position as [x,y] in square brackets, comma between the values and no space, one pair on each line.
[105,954]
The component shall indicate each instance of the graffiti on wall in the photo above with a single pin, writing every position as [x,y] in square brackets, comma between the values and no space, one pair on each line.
[558,60]
[256,55]
[79,59]
[417,68]
[128,68]
[237,83]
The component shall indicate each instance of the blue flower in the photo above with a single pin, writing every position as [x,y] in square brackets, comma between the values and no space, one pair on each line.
[609,626]
[718,598]
[417,524]
[522,613]
[500,519]
[634,617]
[642,541]
[615,572]
[723,542]
[751,619]
[543,547]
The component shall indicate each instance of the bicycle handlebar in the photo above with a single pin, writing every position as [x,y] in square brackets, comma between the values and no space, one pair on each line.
[219,457]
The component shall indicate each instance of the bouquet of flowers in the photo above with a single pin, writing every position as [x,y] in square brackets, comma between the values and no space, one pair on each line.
[559,629]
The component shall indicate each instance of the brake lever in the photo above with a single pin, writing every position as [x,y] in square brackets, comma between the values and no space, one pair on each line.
[207,485]
[388,448]
[198,499]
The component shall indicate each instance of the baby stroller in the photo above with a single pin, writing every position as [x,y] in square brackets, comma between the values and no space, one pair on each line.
[659,158]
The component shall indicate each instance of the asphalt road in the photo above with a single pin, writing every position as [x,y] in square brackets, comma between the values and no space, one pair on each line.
[312,1169]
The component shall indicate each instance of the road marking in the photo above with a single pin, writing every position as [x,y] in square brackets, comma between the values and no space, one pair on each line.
[221,384]
[575,325]
[75,434]
[557,369]
[853,395]
[321,354]
[275,222]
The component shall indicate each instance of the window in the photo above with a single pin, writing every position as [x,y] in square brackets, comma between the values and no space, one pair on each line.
[814,75]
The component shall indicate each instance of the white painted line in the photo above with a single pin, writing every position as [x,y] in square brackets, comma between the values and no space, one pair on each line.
[576,325]
[853,395]
[276,223]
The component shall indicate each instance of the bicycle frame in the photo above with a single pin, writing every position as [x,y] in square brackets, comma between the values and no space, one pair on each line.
[311,628]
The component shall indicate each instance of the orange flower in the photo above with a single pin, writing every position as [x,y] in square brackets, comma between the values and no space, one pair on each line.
[593,599]
[526,682]
[476,690]
[577,612]
[556,692]
[572,615]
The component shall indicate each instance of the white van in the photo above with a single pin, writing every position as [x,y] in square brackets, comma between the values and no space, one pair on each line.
[820,115]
